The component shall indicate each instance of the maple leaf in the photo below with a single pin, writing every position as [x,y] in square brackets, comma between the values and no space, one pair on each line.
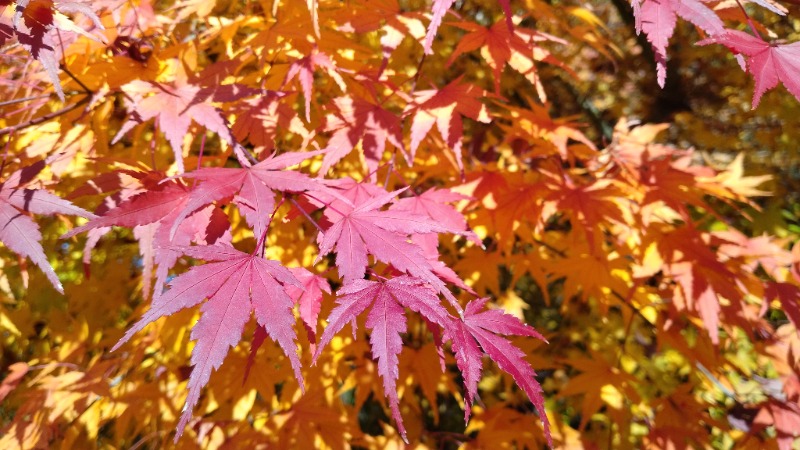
[42,28]
[151,213]
[768,62]
[502,45]
[784,416]
[440,8]
[444,107]
[701,276]
[235,284]
[16,372]
[597,378]
[657,19]
[733,183]
[434,203]
[481,328]
[146,207]
[313,6]
[533,128]
[303,70]
[357,120]
[308,298]
[387,321]
[363,229]
[259,119]
[17,230]
[175,107]
[254,185]
[789,296]
[593,205]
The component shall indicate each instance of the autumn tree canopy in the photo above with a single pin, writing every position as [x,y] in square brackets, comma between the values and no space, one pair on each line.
[373,223]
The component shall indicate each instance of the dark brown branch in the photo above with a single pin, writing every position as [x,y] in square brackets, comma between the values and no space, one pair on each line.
[44,118]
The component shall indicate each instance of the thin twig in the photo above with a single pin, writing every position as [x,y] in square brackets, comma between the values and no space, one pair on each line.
[20,100]
[76,79]
[44,118]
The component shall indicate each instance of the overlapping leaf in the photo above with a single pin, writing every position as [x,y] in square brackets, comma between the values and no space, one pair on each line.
[768,62]
[657,19]
[444,108]
[235,285]
[482,329]
[17,230]
[174,107]
[386,319]
[363,229]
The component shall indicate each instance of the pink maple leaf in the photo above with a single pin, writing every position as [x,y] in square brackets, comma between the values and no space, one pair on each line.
[308,298]
[235,285]
[387,321]
[435,203]
[481,329]
[254,185]
[440,8]
[174,107]
[17,230]
[768,62]
[151,213]
[657,19]
[141,209]
[364,228]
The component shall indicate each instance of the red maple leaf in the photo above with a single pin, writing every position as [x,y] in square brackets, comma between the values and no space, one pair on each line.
[258,119]
[789,296]
[784,416]
[17,230]
[440,8]
[387,321]
[502,45]
[481,329]
[42,29]
[444,107]
[357,120]
[303,70]
[235,284]
[657,19]
[768,62]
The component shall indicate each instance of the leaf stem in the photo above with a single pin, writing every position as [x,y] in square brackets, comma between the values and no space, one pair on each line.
[749,20]
[305,214]
[327,204]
